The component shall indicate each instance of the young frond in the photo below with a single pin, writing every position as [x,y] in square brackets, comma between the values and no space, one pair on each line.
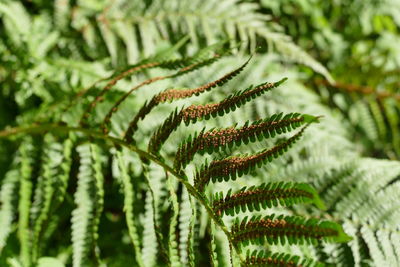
[264,196]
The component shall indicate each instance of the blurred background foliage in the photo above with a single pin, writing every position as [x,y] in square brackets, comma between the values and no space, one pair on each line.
[342,58]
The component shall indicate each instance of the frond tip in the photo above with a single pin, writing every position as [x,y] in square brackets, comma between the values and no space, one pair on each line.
[282,229]
[265,196]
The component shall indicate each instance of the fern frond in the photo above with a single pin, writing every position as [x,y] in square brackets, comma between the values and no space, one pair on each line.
[98,198]
[155,188]
[213,246]
[174,94]
[26,151]
[265,196]
[192,113]
[262,258]
[182,71]
[216,139]
[172,241]
[150,244]
[129,204]
[187,218]
[197,112]
[88,198]
[160,60]
[280,229]
[50,188]
[232,167]
[8,207]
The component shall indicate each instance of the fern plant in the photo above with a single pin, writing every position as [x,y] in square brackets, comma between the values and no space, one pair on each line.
[90,140]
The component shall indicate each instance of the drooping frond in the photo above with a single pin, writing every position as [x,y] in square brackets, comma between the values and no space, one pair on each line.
[216,139]
[50,188]
[282,229]
[129,207]
[173,242]
[232,167]
[264,196]
[174,94]
[187,217]
[197,112]
[26,155]
[8,195]
[89,205]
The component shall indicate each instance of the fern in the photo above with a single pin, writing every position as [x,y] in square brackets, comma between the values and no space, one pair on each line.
[89,195]
[66,64]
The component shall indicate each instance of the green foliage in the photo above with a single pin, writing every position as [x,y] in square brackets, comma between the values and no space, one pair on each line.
[89,195]
[96,164]
[358,41]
